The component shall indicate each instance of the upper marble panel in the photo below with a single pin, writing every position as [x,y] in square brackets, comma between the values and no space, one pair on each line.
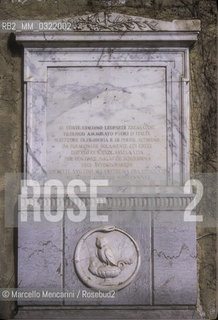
[100,68]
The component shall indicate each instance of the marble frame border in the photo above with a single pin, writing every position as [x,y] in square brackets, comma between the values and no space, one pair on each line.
[174,60]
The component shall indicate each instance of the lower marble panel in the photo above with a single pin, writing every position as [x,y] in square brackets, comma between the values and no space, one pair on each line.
[174,259]
[167,272]
[137,225]
[40,258]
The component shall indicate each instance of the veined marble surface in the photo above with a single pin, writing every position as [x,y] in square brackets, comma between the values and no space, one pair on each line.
[115,116]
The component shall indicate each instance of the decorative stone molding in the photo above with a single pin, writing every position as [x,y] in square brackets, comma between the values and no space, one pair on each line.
[145,203]
[120,22]
[111,27]
[112,22]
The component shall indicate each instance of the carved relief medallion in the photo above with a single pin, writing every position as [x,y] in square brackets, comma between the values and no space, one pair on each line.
[107,258]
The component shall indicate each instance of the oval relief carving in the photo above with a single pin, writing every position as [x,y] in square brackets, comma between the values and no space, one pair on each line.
[107,258]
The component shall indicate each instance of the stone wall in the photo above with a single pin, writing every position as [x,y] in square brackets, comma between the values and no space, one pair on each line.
[203,112]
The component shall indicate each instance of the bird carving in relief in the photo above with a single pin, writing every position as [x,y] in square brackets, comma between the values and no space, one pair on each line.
[111,267]
[104,252]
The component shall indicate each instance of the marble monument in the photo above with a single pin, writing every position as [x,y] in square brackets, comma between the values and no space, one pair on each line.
[108,98]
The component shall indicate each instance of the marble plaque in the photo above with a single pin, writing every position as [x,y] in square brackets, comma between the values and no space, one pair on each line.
[105,122]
